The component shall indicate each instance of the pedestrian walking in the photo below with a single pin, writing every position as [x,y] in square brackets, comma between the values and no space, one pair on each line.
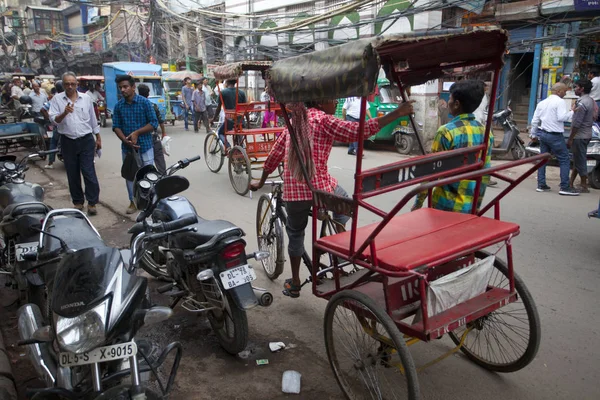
[585,113]
[38,98]
[73,113]
[208,96]
[269,117]
[548,125]
[55,139]
[16,93]
[351,112]
[159,156]
[462,131]
[200,113]
[134,122]
[186,97]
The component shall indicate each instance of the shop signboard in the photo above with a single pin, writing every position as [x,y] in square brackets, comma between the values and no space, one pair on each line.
[586,5]
[552,57]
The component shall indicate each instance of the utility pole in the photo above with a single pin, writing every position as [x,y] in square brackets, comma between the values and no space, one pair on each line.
[127,33]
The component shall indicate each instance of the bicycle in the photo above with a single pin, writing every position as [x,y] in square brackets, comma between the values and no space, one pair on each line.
[271,218]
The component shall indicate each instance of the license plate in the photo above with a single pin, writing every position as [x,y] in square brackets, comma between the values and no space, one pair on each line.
[237,276]
[23,248]
[591,163]
[101,354]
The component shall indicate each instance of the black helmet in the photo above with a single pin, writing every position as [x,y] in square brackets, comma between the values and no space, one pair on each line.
[59,86]
[25,100]
[142,185]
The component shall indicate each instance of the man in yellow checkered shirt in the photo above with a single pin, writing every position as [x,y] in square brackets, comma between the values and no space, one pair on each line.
[462,131]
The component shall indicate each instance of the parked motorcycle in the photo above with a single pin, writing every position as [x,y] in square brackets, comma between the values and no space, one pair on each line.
[102,111]
[98,304]
[207,268]
[22,210]
[511,142]
[592,155]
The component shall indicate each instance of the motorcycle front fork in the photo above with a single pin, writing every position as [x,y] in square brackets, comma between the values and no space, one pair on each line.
[135,375]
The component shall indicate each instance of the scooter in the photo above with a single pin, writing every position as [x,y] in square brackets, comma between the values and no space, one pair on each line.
[207,268]
[511,142]
[87,346]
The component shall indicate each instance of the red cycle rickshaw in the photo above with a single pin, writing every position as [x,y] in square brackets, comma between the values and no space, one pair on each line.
[408,263]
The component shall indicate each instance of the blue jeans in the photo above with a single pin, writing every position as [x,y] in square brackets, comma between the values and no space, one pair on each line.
[147,159]
[221,132]
[79,160]
[354,145]
[187,111]
[54,142]
[555,143]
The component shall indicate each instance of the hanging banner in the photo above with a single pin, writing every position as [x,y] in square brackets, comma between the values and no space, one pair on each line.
[586,5]
[552,57]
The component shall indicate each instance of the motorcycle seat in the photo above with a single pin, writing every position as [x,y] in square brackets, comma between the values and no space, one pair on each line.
[76,233]
[207,230]
[16,209]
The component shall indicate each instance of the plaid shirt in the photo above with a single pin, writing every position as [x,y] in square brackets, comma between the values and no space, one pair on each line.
[462,131]
[325,129]
[131,117]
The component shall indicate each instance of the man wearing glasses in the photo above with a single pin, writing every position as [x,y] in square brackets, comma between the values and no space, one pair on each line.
[73,114]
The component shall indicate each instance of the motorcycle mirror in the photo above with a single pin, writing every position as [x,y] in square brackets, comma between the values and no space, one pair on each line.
[170,185]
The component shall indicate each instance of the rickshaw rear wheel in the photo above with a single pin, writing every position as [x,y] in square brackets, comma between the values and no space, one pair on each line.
[507,339]
[270,237]
[214,155]
[240,170]
[363,365]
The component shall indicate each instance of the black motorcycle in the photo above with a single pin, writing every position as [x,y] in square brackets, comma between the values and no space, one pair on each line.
[511,142]
[207,268]
[22,210]
[98,304]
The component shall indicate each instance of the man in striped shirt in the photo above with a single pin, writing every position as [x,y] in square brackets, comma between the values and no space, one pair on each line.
[463,131]
[324,130]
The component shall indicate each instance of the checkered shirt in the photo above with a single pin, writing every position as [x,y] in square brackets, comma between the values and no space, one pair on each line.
[130,117]
[325,129]
[462,131]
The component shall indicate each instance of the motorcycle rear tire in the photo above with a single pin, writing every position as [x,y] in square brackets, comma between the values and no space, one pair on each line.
[518,151]
[151,266]
[594,177]
[239,320]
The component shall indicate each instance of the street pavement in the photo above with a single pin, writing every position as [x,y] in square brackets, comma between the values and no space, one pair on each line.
[556,254]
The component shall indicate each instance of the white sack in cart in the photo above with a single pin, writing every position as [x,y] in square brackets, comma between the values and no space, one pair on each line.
[459,286]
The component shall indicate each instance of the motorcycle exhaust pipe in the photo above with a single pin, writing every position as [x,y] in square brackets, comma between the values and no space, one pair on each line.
[30,320]
[265,299]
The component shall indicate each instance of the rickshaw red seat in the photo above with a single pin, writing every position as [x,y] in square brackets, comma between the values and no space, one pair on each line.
[423,237]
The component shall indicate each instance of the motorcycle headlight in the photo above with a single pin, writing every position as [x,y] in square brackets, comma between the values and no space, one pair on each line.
[84,332]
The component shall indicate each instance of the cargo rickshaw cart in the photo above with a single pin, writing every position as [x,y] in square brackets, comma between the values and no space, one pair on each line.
[250,146]
[422,274]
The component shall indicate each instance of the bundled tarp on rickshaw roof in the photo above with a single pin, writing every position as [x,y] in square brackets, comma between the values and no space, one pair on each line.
[91,77]
[352,69]
[235,70]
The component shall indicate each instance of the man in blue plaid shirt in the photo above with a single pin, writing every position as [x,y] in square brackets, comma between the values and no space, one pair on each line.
[134,121]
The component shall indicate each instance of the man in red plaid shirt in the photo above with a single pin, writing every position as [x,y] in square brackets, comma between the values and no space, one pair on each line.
[324,130]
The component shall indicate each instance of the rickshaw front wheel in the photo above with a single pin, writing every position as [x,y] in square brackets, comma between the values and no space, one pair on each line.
[240,170]
[214,154]
[366,351]
[508,339]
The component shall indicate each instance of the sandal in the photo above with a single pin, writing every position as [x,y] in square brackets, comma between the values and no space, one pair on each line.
[291,290]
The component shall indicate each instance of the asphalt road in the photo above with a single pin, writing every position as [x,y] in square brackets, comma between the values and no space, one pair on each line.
[556,254]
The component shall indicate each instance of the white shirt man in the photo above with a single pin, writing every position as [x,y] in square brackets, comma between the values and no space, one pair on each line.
[550,115]
[37,100]
[80,122]
[16,92]
[94,95]
[595,93]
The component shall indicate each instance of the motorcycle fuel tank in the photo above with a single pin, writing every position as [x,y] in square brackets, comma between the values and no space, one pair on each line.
[173,208]
[20,192]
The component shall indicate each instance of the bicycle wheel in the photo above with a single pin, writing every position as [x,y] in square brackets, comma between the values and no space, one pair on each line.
[240,172]
[507,339]
[214,155]
[269,231]
[367,353]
